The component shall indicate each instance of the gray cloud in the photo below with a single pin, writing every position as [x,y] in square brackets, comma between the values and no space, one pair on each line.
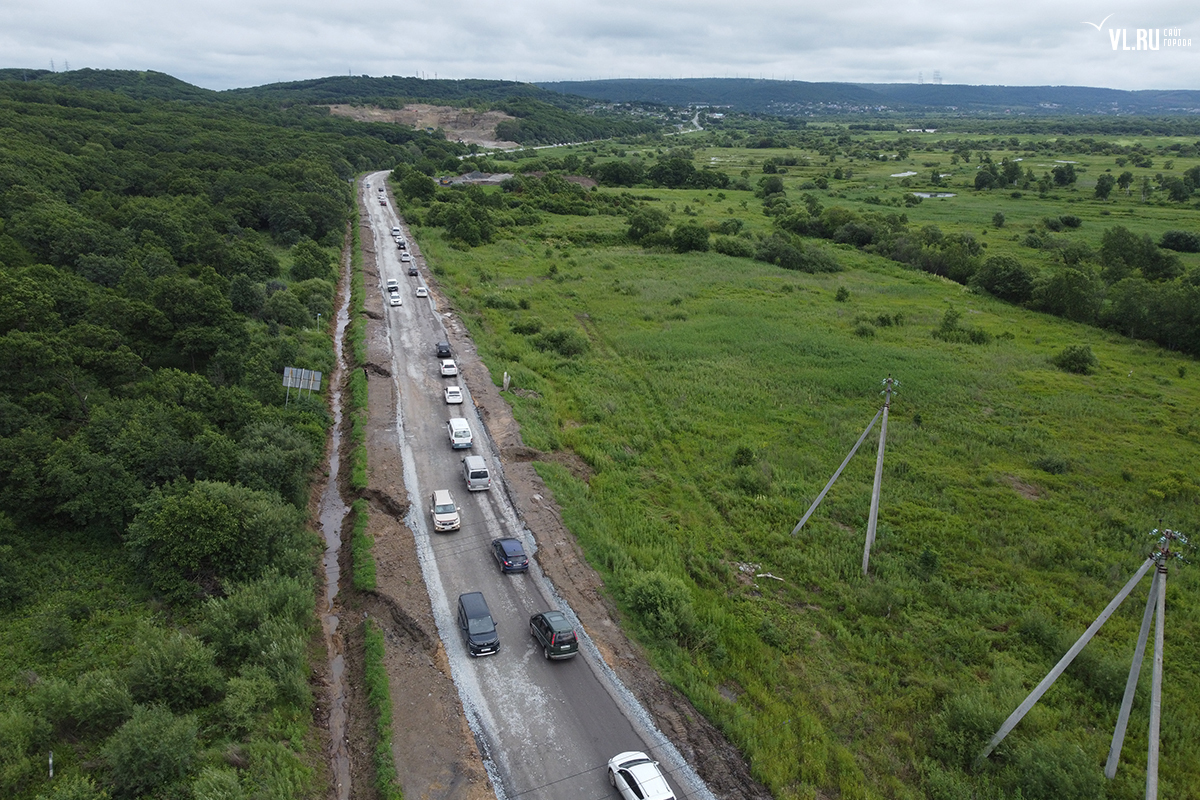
[224,44]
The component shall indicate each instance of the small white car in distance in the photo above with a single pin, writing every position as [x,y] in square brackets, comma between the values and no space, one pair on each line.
[637,777]
[405,257]
[454,395]
[422,291]
[393,286]
[449,368]
[394,299]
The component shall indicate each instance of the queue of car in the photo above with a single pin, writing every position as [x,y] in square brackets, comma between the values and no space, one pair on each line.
[633,774]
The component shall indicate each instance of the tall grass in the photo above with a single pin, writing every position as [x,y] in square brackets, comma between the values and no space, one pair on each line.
[715,398]
[379,697]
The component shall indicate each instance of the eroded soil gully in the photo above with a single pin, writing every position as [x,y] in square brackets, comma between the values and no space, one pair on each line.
[332,512]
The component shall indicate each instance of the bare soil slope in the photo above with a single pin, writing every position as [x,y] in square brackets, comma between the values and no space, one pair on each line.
[460,124]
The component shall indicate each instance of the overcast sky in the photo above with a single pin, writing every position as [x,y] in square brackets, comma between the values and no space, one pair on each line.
[224,44]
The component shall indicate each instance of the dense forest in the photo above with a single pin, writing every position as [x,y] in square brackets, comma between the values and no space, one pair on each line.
[161,262]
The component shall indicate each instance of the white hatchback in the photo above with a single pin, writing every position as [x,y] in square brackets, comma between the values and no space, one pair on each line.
[454,395]
[449,368]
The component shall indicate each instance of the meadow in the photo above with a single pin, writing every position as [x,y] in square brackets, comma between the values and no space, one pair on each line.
[712,397]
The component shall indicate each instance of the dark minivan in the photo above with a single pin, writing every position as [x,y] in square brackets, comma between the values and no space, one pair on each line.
[442,349]
[554,633]
[475,622]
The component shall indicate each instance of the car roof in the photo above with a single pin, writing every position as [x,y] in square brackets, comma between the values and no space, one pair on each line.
[511,546]
[646,772]
[557,620]
[441,496]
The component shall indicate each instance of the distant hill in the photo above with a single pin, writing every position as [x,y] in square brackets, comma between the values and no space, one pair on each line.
[390,91]
[147,85]
[801,98]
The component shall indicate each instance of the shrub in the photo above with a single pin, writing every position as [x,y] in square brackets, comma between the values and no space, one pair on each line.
[730,246]
[843,294]
[662,604]
[1053,464]
[151,750]
[690,236]
[75,787]
[1180,241]
[1070,220]
[1006,278]
[1077,358]
[174,669]
[97,702]
[565,343]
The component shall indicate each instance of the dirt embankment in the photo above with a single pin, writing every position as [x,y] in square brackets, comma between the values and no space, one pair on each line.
[464,125]
[435,751]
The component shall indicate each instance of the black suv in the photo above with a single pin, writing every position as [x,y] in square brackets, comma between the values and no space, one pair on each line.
[475,623]
[442,350]
[554,633]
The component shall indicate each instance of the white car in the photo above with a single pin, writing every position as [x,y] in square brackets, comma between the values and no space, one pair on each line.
[444,512]
[405,257]
[637,777]
[393,286]
[422,291]
[454,395]
[449,368]
[395,300]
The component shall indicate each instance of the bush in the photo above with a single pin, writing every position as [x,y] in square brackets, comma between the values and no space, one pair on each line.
[565,343]
[1180,241]
[1077,359]
[690,236]
[1006,278]
[194,537]
[1070,220]
[1056,771]
[97,702]
[731,246]
[662,604]
[174,669]
[151,750]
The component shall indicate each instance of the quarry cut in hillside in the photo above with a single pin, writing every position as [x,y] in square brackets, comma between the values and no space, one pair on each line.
[464,125]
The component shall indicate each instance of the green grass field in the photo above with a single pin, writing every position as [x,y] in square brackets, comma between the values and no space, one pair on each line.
[713,397]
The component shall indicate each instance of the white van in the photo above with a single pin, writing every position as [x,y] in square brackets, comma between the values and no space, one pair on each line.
[459,432]
[397,232]
[475,473]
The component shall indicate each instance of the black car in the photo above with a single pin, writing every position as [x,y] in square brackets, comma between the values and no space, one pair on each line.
[476,624]
[510,555]
[554,633]
[442,350]
[412,269]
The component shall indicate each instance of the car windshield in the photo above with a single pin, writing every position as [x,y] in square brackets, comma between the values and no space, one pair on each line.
[481,625]
[444,508]
[478,474]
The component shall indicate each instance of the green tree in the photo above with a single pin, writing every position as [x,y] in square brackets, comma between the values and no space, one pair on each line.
[646,221]
[153,749]
[1064,174]
[1005,277]
[193,538]
[1104,186]
[1070,292]
[310,260]
[690,236]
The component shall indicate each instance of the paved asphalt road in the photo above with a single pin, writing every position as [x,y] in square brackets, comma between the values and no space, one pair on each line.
[547,729]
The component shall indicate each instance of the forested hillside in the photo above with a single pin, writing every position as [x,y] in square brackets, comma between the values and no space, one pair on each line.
[160,264]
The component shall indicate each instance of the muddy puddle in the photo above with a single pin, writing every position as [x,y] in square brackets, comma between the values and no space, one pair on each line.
[332,514]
